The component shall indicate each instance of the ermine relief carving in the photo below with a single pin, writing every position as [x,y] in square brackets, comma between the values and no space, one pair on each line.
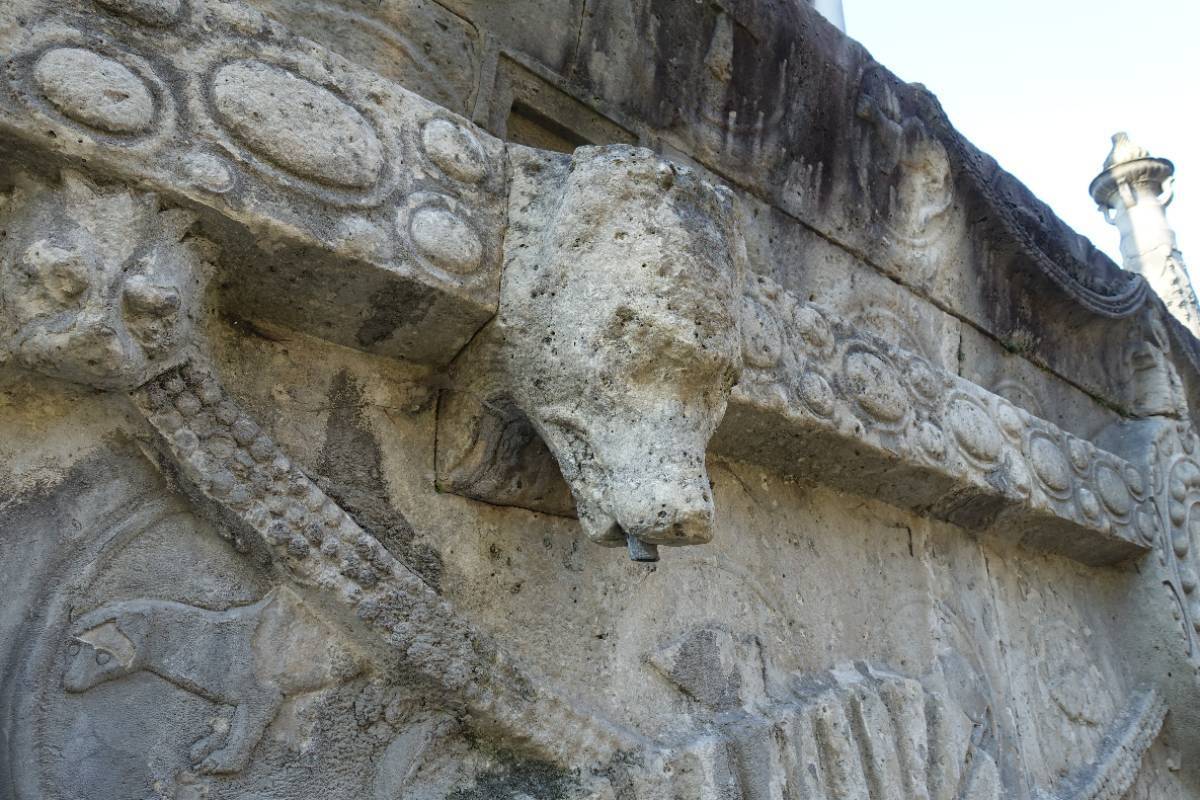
[248,657]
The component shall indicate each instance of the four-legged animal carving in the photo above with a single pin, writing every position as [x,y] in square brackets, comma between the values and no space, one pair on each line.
[249,657]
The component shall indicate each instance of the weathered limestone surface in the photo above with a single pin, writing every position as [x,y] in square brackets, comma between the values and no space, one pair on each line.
[333,334]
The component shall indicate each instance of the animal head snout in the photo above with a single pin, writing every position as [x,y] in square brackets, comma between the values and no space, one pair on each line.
[98,654]
[619,335]
[87,667]
[640,484]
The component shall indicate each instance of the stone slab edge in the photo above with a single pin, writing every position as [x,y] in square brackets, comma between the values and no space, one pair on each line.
[823,401]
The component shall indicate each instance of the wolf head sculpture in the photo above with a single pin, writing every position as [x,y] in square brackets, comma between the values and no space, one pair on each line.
[618,333]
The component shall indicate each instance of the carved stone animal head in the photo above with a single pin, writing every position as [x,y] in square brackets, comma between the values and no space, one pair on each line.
[97,285]
[618,333]
[98,655]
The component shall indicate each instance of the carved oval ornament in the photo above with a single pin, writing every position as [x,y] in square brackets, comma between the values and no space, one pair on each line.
[816,393]
[973,429]
[923,379]
[1019,480]
[455,150]
[1008,419]
[1113,492]
[1181,539]
[1089,505]
[762,335]
[933,441]
[1050,465]
[207,171]
[297,125]
[814,329]
[446,239]
[876,386]
[94,90]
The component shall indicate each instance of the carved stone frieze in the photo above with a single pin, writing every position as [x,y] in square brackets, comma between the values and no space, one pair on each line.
[276,315]
[1176,475]
[863,730]
[901,160]
[922,438]
[1124,746]
[97,285]
[230,466]
[308,169]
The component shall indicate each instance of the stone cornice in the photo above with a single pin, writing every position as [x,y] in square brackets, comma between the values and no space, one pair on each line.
[604,332]
[826,401]
[398,252]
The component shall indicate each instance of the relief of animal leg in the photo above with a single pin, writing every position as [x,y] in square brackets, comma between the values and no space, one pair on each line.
[212,741]
[250,720]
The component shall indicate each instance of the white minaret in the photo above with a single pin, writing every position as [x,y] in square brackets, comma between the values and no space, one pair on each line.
[1133,192]
[832,11]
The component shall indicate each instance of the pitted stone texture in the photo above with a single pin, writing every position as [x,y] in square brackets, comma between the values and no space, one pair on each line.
[98,285]
[306,169]
[618,333]
[299,125]
[94,90]
[923,438]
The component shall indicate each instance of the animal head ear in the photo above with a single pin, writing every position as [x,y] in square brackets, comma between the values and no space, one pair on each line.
[78,187]
[175,222]
[90,620]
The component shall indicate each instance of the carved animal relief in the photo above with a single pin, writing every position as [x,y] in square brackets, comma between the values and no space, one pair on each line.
[249,658]
[314,394]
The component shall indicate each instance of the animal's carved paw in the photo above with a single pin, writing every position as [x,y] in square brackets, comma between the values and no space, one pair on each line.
[225,760]
[202,748]
[205,745]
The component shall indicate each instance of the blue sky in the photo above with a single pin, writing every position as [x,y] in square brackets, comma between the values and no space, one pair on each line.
[1041,86]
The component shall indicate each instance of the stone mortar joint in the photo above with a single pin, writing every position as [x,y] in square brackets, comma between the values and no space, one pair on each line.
[618,334]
